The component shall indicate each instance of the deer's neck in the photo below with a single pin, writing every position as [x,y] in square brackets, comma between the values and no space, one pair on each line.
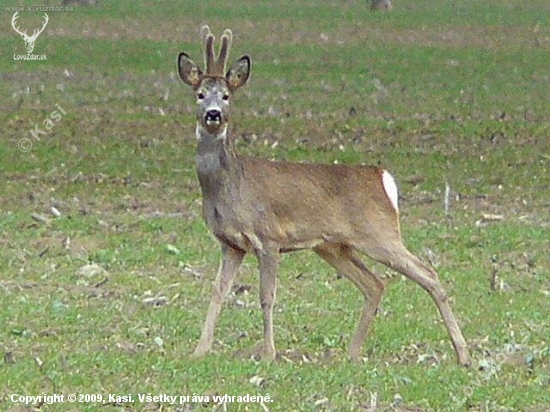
[218,166]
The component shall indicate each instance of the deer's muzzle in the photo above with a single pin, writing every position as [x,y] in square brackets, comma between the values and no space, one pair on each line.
[213,117]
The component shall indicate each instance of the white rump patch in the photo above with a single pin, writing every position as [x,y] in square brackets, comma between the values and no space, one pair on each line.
[391,188]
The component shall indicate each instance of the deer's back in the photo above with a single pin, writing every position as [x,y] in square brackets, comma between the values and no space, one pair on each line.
[298,205]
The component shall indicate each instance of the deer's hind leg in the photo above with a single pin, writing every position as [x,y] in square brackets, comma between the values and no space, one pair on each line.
[396,256]
[344,259]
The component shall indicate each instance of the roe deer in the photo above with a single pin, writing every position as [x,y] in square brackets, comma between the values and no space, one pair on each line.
[267,208]
[381,5]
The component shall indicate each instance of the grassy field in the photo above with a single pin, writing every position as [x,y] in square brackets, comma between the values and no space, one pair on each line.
[106,266]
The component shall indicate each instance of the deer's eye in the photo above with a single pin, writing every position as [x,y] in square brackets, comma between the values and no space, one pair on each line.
[200,96]
[225,97]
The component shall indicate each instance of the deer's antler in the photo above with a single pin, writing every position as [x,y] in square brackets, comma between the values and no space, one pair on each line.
[37,32]
[215,66]
[208,44]
[24,34]
[13,21]
[226,39]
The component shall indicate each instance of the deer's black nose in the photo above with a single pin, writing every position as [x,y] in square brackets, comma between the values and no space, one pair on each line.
[214,115]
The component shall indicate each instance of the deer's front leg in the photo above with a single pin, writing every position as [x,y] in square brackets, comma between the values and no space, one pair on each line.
[268,260]
[229,265]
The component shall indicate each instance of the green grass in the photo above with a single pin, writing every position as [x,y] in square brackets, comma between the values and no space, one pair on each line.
[437,92]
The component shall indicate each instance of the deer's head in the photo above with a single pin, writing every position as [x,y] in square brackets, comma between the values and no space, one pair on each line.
[214,88]
[29,40]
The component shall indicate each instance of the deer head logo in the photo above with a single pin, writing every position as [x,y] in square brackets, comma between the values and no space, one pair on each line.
[29,40]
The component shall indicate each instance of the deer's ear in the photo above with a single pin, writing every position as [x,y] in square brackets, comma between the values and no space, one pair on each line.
[189,72]
[239,73]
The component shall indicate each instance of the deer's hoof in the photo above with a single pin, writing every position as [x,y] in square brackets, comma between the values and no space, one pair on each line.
[268,354]
[200,352]
[465,360]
